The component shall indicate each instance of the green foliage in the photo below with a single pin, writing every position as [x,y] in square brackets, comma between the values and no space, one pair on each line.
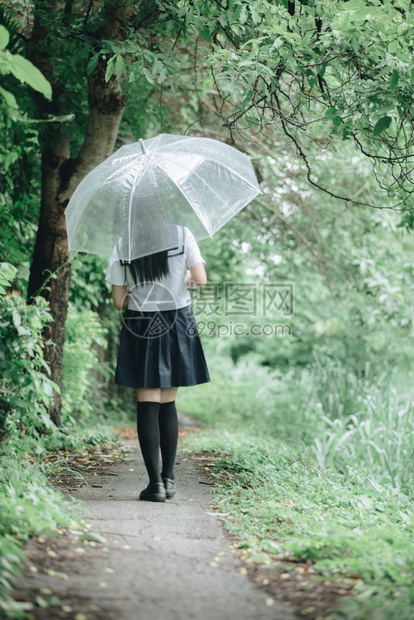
[84,333]
[28,506]
[322,73]
[19,193]
[11,559]
[364,424]
[23,489]
[7,274]
[25,389]
[22,69]
[89,289]
[90,293]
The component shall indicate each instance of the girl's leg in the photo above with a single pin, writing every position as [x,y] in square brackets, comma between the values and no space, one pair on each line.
[148,405]
[168,394]
[168,425]
[149,394]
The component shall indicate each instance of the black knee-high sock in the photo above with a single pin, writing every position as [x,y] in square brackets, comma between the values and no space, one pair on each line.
[168,423]
[149,438]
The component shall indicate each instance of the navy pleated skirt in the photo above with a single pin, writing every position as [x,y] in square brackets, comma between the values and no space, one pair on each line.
[160,349]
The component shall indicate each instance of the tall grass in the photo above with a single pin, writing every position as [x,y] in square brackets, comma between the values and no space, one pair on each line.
[365,424]
[351,422]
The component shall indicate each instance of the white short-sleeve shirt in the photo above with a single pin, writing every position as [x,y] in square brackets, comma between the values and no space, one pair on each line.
[168,293]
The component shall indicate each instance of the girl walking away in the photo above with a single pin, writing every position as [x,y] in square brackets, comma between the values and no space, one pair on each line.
[160,348]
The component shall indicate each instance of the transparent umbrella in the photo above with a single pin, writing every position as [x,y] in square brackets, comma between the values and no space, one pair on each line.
[145,191]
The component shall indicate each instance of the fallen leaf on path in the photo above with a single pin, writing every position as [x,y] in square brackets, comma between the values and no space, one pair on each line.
[260,558]
[51,553]
[44,603]
[93,536]
[308,610]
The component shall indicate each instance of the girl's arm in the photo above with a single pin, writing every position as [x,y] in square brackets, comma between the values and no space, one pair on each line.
[196,276]
[120,297]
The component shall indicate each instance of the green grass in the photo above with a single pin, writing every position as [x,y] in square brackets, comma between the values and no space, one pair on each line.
[278,500]
[321,466]
[29,505]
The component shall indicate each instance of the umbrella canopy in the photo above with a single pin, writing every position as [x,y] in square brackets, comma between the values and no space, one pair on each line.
[145,191]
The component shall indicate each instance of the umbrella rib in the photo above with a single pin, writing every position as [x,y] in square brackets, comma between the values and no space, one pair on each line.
[156,188]
[192,172]
[202,180]
[129,209]
[154,143]
[183,193]
[216,162]
[109,179]
[233,172]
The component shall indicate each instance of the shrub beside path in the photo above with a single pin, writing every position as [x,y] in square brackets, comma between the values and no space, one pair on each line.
[168,560]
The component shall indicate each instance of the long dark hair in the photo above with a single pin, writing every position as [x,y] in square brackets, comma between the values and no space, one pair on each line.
[148,268]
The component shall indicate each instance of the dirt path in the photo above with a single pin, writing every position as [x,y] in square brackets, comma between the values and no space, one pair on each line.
[157,561]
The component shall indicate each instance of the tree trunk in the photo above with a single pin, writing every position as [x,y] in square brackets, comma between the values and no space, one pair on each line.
[51,264]
[51,257]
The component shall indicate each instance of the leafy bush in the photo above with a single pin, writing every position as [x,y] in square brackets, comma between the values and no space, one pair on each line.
[84,333]
[25,390]
[28,503]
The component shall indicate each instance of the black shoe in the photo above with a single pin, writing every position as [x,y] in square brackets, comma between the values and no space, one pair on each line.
[169,487]
[154,492]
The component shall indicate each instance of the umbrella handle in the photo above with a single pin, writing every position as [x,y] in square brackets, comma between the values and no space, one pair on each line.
[144,150]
